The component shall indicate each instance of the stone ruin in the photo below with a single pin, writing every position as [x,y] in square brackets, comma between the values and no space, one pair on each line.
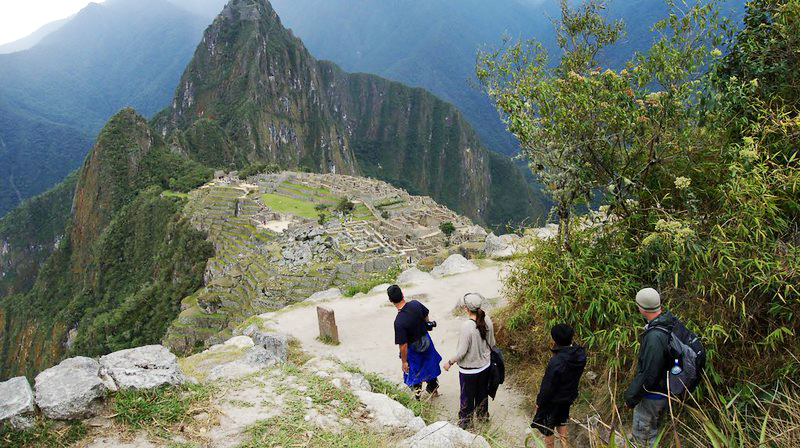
[268,255]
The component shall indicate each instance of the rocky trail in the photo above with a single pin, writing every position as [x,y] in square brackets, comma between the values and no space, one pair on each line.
[366,334]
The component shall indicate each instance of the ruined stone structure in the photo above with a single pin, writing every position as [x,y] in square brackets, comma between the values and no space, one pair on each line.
[272,248]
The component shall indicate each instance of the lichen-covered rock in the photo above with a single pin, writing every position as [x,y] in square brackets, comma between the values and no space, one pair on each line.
[455,264]
[413,276]
[496,246]
[444,435]
[16,403]
[145,367]
[475,233]
[70,390]
[275,344]
[380,288]
[328,294]
[389,413]
[240,342]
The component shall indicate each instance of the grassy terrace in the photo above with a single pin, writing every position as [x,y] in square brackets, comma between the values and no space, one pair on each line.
[284,204]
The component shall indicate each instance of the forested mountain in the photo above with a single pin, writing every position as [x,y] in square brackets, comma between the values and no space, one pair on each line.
[252,94]
[433,44]
[56,96]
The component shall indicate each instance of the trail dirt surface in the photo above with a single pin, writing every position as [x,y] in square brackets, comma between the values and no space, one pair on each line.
[366,333]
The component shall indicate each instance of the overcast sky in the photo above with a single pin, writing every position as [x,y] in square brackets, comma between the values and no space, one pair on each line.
[18,18]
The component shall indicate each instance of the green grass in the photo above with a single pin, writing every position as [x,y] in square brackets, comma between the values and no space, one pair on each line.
[44,433]
[327,340]
[174,194]
[388,202]
[362,213]
[386,277]
[160,407]
[284,204]
[380,385]
[291,429]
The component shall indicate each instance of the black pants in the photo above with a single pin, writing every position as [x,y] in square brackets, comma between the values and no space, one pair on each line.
[474,397]
[430,386]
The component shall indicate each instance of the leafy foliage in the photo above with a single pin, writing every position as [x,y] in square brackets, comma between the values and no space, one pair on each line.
[714,220]
[31,232]
[447,228]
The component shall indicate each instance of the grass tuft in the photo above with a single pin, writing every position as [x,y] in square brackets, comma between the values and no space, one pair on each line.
[44,433]
[161,407]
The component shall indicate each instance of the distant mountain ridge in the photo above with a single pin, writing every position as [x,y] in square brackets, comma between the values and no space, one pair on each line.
[253,91]
[33,38]
[55,96]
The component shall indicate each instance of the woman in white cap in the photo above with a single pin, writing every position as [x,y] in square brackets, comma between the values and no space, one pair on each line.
[473,356]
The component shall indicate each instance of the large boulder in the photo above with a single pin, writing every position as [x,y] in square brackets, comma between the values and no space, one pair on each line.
[16,403]
[71,390]
[339,377]
[379,289]
[389,413]
[276,345]
[498,246]
[455,264]
[444,435]
[145,367]
[413,276]
[328,294]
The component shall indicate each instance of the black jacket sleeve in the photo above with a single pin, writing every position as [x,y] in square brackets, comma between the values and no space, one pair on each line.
[549,383]
[650,369]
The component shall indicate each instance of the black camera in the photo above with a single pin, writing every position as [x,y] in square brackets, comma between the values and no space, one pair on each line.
[430,325]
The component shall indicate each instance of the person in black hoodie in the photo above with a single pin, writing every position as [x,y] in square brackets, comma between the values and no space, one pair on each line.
[559,387]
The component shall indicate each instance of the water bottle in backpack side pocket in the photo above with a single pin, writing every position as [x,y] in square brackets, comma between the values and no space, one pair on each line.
[676,369]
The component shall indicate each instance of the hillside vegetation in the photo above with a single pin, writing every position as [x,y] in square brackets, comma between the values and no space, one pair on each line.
[693,150]
[253,93]
[56,96]
[125,262]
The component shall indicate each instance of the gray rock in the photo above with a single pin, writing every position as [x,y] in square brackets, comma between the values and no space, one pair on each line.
[475,233]
[455,264]
[380,288]
[413,276]
[444,435]
[358,382]
[276,344]
[16,403]
[328,294]
[496,246]
[71,390]
[259,355]
[389,413]
[235,369]
[145,367]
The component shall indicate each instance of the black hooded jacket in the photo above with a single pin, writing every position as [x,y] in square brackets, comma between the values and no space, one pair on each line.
[653,362]
[560,381]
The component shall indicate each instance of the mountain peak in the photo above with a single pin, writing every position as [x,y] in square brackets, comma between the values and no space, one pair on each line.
[248,10]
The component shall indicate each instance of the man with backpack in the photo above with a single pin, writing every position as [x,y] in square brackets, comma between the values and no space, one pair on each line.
[669,363]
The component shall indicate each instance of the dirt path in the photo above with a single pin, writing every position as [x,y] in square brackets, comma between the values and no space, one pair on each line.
[366,334]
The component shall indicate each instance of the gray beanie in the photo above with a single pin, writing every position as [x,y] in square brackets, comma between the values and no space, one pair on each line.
[648,299]
[472,300]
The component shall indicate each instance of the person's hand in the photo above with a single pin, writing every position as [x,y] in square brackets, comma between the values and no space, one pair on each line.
[447,366]
[405,367]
